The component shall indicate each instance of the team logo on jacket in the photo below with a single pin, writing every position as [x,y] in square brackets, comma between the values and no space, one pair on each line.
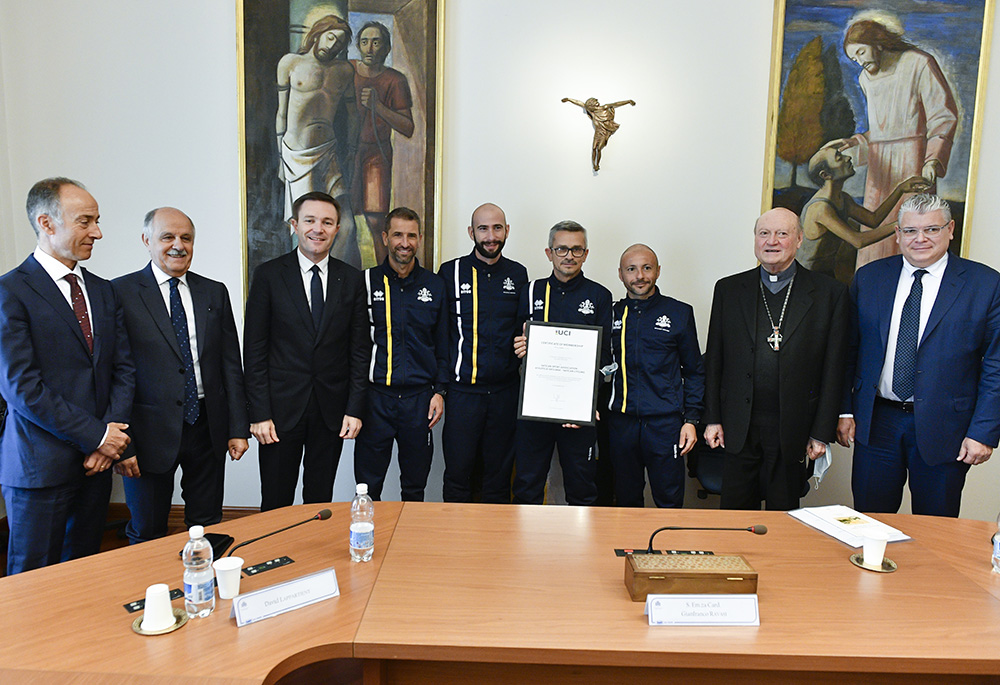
[586,307]
[663,323]
[425,295]
[539,304]
[465,288]
[508,285]
[616,325]
[378,296]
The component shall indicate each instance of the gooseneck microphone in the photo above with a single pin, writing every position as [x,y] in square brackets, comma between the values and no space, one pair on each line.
[321,515]
[756,530]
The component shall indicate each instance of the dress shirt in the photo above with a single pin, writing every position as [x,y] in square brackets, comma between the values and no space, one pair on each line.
[305,267]
[163,281]
[58,271]
[931,282]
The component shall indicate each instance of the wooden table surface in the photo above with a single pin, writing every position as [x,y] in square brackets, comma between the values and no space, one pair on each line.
[66,623]
[491,594]
[542,585]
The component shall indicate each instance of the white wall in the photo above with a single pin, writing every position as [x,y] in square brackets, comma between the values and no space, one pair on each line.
[138,100]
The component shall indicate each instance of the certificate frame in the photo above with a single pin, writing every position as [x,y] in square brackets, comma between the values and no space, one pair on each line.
[543,340]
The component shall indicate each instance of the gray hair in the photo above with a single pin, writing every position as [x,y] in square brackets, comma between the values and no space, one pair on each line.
[43,198]
[570,226]
[921,203]
[147,221]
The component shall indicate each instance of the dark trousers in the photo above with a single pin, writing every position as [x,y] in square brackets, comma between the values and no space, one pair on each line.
[761,472]
[279,461]
[402,418]
[881,466]
[49,525]
[533,455]
[474,424]
[647,445]
[202,478]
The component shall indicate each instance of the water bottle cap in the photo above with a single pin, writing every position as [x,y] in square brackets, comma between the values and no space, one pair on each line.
[196,532]
[362,489]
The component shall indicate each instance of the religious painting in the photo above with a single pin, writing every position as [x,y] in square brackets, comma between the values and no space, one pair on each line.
[342,97]
[869,103]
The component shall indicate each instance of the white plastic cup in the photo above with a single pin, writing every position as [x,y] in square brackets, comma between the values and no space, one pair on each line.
[228,571]
[874,548]
[157,613]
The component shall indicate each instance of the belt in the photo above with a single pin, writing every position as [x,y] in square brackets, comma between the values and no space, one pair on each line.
[895,404]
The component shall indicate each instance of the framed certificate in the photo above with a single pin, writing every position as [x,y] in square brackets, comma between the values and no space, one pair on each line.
[559,380]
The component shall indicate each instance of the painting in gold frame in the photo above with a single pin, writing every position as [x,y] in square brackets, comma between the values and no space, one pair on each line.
[303,126]
[896,88]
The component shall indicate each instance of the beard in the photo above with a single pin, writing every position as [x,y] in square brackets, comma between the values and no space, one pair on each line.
[482,250]
[324,55]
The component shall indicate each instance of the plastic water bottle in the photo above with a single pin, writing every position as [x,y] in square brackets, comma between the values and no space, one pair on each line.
[199,579]
[362,525]
[996,548]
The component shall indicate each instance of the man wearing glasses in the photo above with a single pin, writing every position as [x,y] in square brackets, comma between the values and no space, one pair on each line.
[566,297]
[924,368]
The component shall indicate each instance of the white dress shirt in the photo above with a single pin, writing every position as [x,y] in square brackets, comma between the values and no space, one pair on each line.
[163,281]
[57,271]
[305,266]
[931,282]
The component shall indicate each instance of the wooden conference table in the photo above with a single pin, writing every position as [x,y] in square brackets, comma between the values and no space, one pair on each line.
[494,594]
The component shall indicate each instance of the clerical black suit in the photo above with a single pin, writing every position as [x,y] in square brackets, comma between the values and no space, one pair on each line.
[160,437]
[304,380]
[806,395]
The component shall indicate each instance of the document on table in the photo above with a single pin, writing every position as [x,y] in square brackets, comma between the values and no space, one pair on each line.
[845,524]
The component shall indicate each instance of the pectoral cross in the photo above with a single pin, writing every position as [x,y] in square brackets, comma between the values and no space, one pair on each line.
[775,339]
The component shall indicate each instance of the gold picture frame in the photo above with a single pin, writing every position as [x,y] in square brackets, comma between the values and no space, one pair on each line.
[267,30]
[816,88]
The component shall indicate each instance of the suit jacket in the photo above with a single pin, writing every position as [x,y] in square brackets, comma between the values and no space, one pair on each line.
[60,398]
[158,409]
[286,359]
[957,387]
[812,359]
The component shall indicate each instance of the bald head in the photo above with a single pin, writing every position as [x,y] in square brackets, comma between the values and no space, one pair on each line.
[488,230]
[638,270]
[777,237]
[168,234]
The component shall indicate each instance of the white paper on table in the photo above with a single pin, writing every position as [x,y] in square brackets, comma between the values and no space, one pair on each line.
[845,524]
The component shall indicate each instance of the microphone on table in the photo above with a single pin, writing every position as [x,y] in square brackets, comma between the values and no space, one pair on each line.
[322,515]
[756,530]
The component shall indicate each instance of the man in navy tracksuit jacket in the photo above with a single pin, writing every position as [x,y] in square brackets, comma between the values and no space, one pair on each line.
[658,388]
[482,307]
[408,374]
[566,297]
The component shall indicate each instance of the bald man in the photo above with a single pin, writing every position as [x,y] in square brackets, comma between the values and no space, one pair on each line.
[483,289]
[774,365]
[658,388]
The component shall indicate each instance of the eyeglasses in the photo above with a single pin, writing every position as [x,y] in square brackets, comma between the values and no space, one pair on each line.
[562,251]
[929,231]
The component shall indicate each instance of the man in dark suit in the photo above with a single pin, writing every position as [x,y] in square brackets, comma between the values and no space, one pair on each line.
[774,366]
[67,377]
[189,408]
[924,368]
[306,350]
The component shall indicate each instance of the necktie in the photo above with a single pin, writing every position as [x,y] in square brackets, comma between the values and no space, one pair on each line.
[179,319]
[316,295]
[905,364]
[80,309]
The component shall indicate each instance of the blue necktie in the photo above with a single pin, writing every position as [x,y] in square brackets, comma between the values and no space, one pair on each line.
[316,296]
[179,319]
[905,364]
